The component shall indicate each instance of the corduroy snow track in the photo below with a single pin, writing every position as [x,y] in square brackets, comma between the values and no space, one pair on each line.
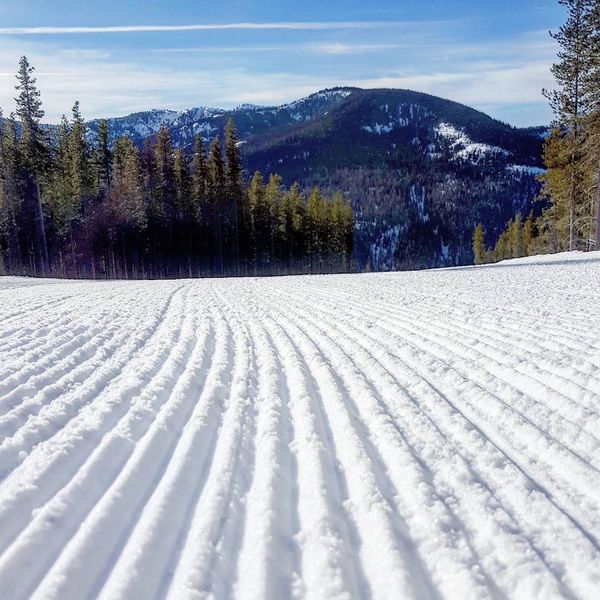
[428,434]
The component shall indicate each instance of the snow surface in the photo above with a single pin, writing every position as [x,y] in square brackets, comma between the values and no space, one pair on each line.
[462,145]
[404,435]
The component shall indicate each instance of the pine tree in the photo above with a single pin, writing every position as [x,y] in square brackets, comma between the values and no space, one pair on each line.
[185,210]
[4,210]
[258,219]
[347,223]
[182,185]
[233,177]
[127,190]
[10,204]
[515,235]
[102,156]
[502,249]
[315,227]
[290,222]
[163,165]
[216,194]
[60,193]
[591,92]
[199,183]
[568,101]
[129,213]
[528,232]
[33,149]
[273,198]
[479,251]
[554,221]
[80,171]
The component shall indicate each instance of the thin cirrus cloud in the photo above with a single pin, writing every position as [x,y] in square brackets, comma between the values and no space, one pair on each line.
[496,76]
[334,48]
[291,25]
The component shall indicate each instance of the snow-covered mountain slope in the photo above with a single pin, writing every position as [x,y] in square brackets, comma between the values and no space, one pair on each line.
[378,147]
[428,434]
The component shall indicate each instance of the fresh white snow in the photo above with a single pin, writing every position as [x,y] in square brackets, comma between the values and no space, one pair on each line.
[425,434]
[463,147]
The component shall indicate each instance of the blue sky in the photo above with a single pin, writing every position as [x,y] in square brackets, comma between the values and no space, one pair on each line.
[119,56]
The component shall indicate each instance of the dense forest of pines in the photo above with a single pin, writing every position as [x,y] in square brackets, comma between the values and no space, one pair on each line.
[571,184]
[70,208]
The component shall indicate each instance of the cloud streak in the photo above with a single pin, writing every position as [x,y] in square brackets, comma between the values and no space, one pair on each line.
[504,79]
[291,25]
[334,48]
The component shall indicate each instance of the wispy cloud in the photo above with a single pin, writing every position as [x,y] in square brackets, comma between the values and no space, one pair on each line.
[291,25]
[495,77]
[343,48]
[334,48]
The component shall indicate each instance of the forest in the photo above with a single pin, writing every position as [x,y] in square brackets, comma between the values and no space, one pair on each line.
[75,207]
[570,194]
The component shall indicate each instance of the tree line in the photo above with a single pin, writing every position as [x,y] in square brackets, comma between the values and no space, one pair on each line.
[73,208]
[520,238]
[570,218]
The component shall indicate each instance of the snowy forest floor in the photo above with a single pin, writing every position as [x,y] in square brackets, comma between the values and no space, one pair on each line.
[429,434]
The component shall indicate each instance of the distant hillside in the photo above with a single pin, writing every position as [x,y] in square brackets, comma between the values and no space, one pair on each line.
[419,170]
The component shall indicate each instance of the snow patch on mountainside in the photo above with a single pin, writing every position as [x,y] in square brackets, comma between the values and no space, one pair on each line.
[324,95]
[383,250]
[417,200]
[526,169]
[463,147]
[378,128]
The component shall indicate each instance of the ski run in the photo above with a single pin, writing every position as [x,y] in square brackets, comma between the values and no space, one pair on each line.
[429,434]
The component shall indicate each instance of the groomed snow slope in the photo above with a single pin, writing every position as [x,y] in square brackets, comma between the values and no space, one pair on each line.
[411,435]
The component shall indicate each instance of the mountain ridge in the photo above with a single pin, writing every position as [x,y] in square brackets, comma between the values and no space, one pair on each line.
[420,171]
[181,118]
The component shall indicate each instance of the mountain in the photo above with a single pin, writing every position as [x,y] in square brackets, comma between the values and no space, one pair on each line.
[420,170]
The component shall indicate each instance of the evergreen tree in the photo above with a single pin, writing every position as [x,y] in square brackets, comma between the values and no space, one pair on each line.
[102,156]
[235,195]
[10,202]
[502,249]
[289,223]
[315,227]
[216,195]
[185,208]
[591,87]
[259,217]
[80,172]
[479,251]
[528,233]
[60,193]
[34,153]
[199,176]
[273,198]
[515,236]
[127,190]
[163,169]
[119,212]
[568,103]
[182,186]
